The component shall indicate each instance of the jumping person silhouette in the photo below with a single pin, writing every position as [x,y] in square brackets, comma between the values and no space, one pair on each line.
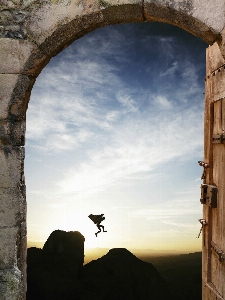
[97,219]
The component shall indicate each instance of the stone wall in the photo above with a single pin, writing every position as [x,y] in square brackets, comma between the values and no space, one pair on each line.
[31,32]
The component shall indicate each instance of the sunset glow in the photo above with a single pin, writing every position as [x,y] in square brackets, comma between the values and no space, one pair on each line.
[115,126]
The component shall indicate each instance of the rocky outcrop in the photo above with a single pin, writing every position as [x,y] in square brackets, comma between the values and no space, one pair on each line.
[63,253]
[121,275]
[56,272]
[52,272]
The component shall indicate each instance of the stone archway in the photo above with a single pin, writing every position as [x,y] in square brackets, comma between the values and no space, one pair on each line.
[31,33]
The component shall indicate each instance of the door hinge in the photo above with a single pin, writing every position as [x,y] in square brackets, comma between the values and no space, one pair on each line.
[205,166]
[218,138]
[218,251]
[209,195]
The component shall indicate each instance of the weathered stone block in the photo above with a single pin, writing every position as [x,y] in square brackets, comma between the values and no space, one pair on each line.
[56,24]
[7,85]
[44,21]
[11,166]
[10,4]
[211,13]
[189,15]
[221,45]
[8,247]
[12,207]
[26,3]
[21,56]
[14,95]
[12,133]
[22,250]
[125,11]
[10,285]
[6,17]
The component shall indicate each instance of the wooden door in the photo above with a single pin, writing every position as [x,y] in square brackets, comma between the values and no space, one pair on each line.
[213,246]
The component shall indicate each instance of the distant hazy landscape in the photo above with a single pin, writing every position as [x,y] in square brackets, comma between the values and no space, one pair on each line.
[95,253]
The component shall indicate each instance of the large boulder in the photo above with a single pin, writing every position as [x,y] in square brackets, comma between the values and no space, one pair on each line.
[52,273]
[121,275]
[63,253]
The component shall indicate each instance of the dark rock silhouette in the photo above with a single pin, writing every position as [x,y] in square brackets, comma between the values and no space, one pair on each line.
[34,271]
[121,275]
[63,253]
[56,273]
[52,272]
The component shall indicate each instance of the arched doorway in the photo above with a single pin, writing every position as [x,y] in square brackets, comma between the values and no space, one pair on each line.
[35,34]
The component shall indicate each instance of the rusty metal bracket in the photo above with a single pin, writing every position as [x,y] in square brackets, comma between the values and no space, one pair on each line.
[218,251]
[205,166]
[218,138]
[203,223]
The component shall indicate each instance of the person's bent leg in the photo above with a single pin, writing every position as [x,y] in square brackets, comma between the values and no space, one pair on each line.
[99,227]
[97,233]
[103,228]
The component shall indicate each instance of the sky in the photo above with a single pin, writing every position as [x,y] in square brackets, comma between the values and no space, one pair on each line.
[115,126]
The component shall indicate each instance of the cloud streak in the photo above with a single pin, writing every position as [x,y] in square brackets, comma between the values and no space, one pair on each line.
[83,103]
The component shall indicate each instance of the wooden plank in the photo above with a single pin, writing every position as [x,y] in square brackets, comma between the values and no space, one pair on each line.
[208,129]
[208,158]
[214,59]
[217,127]
[218,83]
[223,116]
[216,273]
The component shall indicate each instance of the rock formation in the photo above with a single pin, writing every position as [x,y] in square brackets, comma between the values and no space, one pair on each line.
[52,272]
[63,253]
[121,275]
[57,273]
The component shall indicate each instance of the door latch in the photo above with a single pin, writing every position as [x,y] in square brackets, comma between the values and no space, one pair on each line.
[209,195]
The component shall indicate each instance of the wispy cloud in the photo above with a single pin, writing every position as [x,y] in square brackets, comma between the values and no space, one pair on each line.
[136,148]
[83,102]
[171,70]
[163,102]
